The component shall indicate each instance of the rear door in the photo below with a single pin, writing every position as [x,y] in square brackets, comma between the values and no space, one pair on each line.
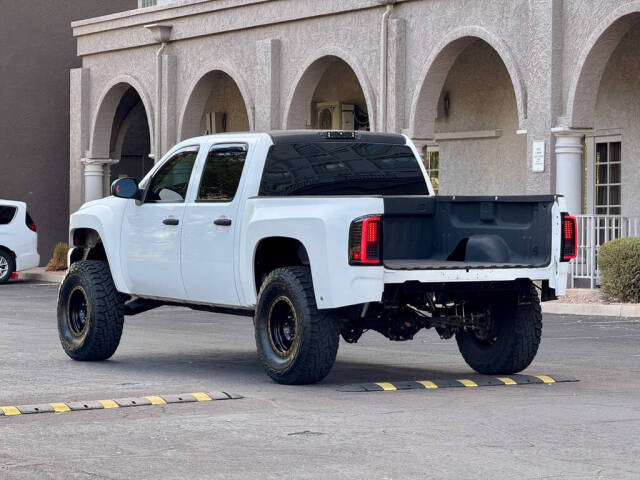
[152,230]
[210,225]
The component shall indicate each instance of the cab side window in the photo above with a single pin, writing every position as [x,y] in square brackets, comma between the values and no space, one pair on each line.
[170,183]
[222,172]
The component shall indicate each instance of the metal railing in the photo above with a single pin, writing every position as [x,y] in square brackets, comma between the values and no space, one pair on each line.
[593,231]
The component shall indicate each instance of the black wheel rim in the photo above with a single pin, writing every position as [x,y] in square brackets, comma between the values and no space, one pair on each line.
[486,331]
[78,312]
[282,326]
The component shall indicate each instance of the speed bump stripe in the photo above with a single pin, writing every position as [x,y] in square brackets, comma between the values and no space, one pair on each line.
[156,400]
[472,381]
[201,397]
[467,382]
[8,411]
[60,407]
[427,384]
[386,386]
[108,404]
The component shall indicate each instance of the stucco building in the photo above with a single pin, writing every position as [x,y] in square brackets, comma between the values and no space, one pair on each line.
[504,96]
[37,51]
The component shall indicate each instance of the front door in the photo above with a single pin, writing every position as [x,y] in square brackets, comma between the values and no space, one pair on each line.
[210,225]
[152,230]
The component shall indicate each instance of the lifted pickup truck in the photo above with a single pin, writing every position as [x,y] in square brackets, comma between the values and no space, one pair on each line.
[316,235]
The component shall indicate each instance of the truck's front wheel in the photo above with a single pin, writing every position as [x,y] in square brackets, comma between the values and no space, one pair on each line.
[90,312]
[297,343]
[509,343]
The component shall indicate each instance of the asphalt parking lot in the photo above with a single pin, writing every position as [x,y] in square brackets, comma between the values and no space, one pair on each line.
[583,430]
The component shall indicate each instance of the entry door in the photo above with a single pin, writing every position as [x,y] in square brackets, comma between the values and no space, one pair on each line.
[211,222]
[152,230]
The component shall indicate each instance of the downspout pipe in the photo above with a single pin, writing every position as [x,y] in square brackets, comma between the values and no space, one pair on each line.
[384,52]
[162,34]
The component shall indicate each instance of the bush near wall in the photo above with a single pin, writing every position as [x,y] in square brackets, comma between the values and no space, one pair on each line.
[59,260]
[619,262]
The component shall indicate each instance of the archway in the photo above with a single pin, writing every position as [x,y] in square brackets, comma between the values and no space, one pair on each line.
[466,116]
[329,94]
[216,105]
[604,99]
[122,133]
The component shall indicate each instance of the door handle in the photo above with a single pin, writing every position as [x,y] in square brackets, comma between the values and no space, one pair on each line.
[223,222]
[171,221]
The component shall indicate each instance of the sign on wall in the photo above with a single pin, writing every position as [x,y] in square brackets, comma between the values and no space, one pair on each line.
[538,156]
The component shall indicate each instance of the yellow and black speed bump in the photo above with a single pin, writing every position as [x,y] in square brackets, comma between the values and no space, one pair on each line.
[62,407]
[469,381]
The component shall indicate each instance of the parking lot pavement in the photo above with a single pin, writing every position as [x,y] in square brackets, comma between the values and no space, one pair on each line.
[588,429]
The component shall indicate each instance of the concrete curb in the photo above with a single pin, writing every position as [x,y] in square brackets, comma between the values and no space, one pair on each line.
[40,275]
[631,310]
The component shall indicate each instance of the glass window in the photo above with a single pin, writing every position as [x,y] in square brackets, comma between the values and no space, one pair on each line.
[170,183]
[432,164]
[341,168]
[222,172]
[6,214]
[608,178]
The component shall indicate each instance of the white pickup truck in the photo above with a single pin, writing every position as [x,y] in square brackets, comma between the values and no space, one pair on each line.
[316,235]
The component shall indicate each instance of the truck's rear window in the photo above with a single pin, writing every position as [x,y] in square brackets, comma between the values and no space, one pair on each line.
[341,168]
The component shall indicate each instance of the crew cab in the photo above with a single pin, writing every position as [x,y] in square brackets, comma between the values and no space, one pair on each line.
[18,240]
[316,235]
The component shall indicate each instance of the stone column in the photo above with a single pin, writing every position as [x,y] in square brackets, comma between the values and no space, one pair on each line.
[79,122]
[569,172]
[95,171]
[267,86]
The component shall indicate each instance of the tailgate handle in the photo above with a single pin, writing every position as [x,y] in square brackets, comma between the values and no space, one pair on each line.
[223,222]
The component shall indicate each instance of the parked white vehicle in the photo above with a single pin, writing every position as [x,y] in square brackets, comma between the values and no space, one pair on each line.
[315,235]
[18,240]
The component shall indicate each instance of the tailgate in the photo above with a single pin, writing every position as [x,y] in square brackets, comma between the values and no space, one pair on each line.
[449,233]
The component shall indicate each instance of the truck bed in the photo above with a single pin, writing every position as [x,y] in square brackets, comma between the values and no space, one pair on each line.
[463,233]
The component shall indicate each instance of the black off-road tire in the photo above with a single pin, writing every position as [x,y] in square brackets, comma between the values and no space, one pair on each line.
[12,266]
[516,341]
[100,334]
[314,345]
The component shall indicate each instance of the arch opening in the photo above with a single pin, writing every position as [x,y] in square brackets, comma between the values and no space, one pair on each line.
[466,118]
[329,95]
[216,105]
[606,101]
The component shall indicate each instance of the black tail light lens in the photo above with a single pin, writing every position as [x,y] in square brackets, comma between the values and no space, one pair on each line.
[30,223]
[569,242]
[365,241]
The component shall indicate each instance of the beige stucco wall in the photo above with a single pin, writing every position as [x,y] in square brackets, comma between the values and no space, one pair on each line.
[226,98]
[267,46]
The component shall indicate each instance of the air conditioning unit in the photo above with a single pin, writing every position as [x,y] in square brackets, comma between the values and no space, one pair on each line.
[335,116]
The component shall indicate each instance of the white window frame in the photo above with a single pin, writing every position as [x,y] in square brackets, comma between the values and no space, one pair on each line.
[590,155]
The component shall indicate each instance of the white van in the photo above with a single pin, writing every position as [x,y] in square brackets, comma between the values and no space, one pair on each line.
[18,240]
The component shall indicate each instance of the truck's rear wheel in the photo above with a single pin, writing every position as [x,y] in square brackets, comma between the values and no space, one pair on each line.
[297,343]
[510,342]
[90,312]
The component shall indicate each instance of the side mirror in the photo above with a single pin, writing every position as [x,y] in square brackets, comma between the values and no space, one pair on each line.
[125,188]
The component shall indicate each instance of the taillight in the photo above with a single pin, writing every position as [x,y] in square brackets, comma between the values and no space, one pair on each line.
[365,240]
[569,242]
[32,226]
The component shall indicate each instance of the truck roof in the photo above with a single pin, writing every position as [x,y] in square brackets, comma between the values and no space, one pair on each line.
[312,136]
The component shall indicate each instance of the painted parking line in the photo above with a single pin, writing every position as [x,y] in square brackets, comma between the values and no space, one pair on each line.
[63,407]
[469,382]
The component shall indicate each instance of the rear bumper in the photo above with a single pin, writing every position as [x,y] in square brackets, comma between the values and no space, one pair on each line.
[25,262]
[556,274]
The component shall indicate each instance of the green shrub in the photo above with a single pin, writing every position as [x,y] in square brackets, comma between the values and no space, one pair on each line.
[59,260]
[619,262]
